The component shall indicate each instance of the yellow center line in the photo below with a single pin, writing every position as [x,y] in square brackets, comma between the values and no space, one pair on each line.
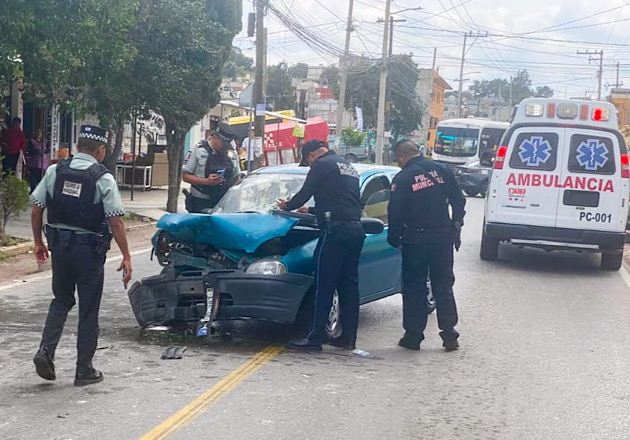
[209,397]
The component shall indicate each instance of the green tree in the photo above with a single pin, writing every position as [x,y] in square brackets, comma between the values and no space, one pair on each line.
[543,92]
[280,92]
[299,71]
[238,65]
[184,44]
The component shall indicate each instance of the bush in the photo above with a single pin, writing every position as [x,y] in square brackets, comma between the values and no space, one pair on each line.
[352,138]
[13,201]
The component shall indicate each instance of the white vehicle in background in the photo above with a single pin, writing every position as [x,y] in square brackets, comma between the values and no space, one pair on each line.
[464,141]
[560,181]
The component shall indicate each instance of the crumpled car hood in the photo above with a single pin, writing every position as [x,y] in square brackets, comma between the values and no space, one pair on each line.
[227,231]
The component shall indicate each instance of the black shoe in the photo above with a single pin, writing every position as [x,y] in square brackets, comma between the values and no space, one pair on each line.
[409,343]
[340,343]
[304,344]
[89,378]
[451,345]
[44,364]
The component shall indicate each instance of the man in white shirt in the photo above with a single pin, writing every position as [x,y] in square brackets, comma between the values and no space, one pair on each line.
[250,150]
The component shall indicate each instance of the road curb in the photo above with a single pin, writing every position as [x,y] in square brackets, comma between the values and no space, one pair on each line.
[18,249]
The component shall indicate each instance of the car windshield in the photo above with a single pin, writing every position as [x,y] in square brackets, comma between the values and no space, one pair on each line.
[260,192]
[457,142]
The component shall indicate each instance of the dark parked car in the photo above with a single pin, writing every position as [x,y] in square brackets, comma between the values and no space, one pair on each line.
[473,178]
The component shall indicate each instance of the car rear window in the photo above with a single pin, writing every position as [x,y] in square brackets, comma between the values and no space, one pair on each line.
[535,151]
[592,154]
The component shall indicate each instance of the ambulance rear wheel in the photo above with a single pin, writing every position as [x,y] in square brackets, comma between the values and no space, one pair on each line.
[489,250]
[612,261]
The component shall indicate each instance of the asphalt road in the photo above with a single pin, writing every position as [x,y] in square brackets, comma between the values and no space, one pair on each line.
[544,355]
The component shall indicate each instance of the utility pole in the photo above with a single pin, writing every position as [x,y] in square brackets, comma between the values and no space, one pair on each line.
[617,78]
[461,68]
[259,104]
[600,72]
[388,93]
[380,126]
[343,67]
[434,58]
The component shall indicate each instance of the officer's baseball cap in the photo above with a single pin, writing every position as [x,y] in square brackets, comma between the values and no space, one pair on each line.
[225,133]
[309,147]
[93,133]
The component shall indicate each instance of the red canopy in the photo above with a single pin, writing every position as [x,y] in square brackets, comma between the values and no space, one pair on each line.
[280,146]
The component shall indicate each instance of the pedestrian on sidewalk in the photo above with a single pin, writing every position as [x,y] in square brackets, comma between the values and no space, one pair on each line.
[250,150]
[13,144]
[37,159]
[84,211]
[211,168]
[420,224]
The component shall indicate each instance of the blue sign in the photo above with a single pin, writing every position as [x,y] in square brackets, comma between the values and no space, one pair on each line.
[592,155]
[534,151]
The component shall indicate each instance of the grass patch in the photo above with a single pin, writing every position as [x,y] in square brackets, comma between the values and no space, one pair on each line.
[12,241]
[4,256]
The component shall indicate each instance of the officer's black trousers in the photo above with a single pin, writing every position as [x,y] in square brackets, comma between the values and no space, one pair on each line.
[431,253]
[195,205]
[337,268]
[76,265]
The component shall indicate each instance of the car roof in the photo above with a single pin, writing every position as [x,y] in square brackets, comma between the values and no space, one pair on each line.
[293,168]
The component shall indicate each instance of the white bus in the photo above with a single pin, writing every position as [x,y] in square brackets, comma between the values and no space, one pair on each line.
[463,141]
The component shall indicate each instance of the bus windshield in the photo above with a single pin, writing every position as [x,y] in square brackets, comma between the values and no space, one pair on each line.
[456,142]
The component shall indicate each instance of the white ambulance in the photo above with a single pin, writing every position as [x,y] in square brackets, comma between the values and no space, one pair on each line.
[560,181]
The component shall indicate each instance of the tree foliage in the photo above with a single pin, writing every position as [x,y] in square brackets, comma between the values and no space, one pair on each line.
[279,91]
[500,88]
[238,65]
[299,71]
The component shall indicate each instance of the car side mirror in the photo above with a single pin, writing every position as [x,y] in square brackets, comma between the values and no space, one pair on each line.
[372,226]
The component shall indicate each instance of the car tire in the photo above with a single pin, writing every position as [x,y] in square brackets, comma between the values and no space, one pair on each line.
[350,158]
[612,261]
[303,320]
[489,250]
[470,193]
[333,325]
[484,189]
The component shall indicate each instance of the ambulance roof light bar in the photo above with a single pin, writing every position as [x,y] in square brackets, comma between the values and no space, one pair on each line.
[534,109]
[600,114]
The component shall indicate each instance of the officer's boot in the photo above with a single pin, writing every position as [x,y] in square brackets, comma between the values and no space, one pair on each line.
[45,364]
[87,376]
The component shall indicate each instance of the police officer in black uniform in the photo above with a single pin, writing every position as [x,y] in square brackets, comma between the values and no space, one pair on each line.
[84,211]
[334,183]
[420,223]
[211,168]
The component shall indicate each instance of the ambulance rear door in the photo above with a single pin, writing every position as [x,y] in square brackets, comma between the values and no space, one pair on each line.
[526,194]
[594,194]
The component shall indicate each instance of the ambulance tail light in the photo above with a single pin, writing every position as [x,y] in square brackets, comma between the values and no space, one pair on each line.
[498,162]
[625,166]
[600,114]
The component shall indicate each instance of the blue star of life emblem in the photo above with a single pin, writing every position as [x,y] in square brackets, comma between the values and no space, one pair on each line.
[592,155]
[534,151]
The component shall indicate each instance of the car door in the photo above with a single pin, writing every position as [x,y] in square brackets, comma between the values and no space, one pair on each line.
[380,264]
[594,195]
[526,192]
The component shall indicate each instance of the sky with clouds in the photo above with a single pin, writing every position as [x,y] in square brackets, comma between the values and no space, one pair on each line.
[542,36]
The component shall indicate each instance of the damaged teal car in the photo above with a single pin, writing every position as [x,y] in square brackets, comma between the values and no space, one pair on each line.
[245,259]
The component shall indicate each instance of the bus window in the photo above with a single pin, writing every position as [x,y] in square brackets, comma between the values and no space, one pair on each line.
[458,142]
[491,138]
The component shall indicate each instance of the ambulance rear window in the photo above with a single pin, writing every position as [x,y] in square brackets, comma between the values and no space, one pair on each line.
[535,151]
[592,154]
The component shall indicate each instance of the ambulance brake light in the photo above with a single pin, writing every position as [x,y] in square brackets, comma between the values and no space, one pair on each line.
[498,162]
[625,166]
[534,109]
[600,114]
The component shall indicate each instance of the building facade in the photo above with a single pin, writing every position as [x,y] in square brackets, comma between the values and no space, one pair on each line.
[430,89]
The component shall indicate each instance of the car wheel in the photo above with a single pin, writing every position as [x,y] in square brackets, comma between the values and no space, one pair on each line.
[489,250]
[612,261]
[484,189]
[431,304]
[333,326]
[470,193]
[350,158]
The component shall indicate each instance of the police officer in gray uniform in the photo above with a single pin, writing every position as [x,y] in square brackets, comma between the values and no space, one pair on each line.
[211,168]
[84,211]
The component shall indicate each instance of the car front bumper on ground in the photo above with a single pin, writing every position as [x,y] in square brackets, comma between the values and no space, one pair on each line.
[168,298]
[603,239]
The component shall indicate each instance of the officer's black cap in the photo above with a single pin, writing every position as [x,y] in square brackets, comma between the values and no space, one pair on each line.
[93,133]
[225,133]
[309,147]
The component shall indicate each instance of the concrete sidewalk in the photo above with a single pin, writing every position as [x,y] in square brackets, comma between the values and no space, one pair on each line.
[149,204]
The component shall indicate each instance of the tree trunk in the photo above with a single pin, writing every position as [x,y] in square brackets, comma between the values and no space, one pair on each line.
[176,139]
[112,154]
